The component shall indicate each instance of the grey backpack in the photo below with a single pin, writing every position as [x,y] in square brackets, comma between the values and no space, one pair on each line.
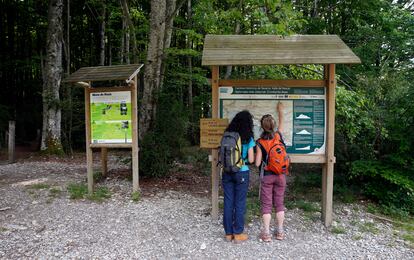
[230,152]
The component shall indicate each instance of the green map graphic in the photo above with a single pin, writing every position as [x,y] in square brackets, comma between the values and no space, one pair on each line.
[111,122]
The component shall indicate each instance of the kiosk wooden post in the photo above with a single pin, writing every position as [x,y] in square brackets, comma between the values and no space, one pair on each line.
[104,161]
[214,152]
[135,167]
[234,50]
[328,167]
[89,152]
[11,142]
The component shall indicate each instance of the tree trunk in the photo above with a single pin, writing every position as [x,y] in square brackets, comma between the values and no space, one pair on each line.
[169,20]
[52,76]
[122,50]
[102,36]
[152,67]
[131,29]
[161,21]
[190,62]
[229,68]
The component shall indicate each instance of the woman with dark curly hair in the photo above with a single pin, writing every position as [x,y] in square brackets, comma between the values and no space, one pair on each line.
[235,185]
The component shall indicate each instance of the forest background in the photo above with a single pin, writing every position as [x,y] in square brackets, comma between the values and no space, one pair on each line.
[43,41]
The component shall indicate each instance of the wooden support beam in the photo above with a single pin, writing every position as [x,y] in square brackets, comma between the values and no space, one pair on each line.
[104,161]
[271,83]
[89,153]
[135,161]
[11,141]
[110,145]
[328,168]
[214,152]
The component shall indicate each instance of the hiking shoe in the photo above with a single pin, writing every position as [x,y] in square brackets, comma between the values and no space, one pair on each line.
[265,237]
[279,235]
[239,238]
[228,238]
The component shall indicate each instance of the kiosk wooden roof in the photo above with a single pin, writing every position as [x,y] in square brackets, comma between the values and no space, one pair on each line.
[104,73]
[273,49]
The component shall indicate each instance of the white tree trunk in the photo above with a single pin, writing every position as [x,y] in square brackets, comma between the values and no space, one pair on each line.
[52,77]
[153,63]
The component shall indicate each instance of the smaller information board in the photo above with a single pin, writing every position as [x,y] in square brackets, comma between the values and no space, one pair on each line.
[211,131]
[111,117]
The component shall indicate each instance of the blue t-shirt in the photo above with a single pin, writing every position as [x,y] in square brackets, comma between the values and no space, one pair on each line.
[245,148]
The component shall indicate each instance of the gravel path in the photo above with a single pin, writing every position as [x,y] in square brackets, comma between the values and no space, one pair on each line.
[165,224]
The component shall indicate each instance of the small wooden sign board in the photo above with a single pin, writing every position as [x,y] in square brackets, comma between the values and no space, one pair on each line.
[211,131]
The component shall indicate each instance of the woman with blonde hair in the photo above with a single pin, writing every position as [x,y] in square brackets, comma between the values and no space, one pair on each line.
[271,155]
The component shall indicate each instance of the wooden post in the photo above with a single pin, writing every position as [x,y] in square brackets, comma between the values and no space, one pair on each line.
[135,166]
[104,160]
[328,168]
[214,152]
[89,153]
[11,142]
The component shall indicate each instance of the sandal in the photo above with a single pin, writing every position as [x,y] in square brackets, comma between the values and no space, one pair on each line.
[279,235]
[265,237]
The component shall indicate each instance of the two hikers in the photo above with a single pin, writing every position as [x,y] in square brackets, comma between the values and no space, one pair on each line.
[273,161]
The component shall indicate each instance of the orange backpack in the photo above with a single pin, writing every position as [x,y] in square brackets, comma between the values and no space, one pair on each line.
[274,156]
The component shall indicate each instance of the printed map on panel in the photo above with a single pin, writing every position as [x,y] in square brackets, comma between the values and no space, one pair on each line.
[258,108]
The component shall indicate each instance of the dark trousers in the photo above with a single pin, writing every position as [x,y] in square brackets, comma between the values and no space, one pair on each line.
[235,186]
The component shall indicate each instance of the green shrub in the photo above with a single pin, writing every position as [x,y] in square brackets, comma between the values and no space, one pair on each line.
[390,185]
[160,147]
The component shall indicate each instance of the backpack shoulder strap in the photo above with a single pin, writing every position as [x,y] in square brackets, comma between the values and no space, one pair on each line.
[279,134]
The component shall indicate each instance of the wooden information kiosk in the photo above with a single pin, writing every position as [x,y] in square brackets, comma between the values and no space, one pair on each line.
[111,114]
[310,103]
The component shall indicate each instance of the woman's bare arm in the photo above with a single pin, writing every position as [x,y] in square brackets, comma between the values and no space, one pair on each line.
[258,160]
[279,107]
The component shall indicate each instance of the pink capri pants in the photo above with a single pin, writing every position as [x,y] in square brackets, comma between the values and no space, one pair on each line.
[273,192]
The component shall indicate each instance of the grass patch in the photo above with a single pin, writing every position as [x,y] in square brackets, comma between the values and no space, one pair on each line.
[369,227]
[409,238]
[77,190]
[312,216]
[39,186]
[307,206]
[80,191]
[97,176]
[100,194]
[221,205]
[3,229]
[338,230]
[54,192]
[136,196]
[357,237]
[252,208]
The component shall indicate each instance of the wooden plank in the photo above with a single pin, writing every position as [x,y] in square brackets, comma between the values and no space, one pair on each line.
[211,131]
[104,160]
[271,49]
[135,161]
[272,83]
[110,89]
[89,154]
[101,73]
[106,145]
[327,195]
[11,142]
[214,152]
[299,158]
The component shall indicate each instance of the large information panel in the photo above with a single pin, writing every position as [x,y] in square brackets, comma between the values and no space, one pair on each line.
[111,117]
[304,113]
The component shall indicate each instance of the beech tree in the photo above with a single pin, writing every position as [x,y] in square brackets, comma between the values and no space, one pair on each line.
[52,75]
